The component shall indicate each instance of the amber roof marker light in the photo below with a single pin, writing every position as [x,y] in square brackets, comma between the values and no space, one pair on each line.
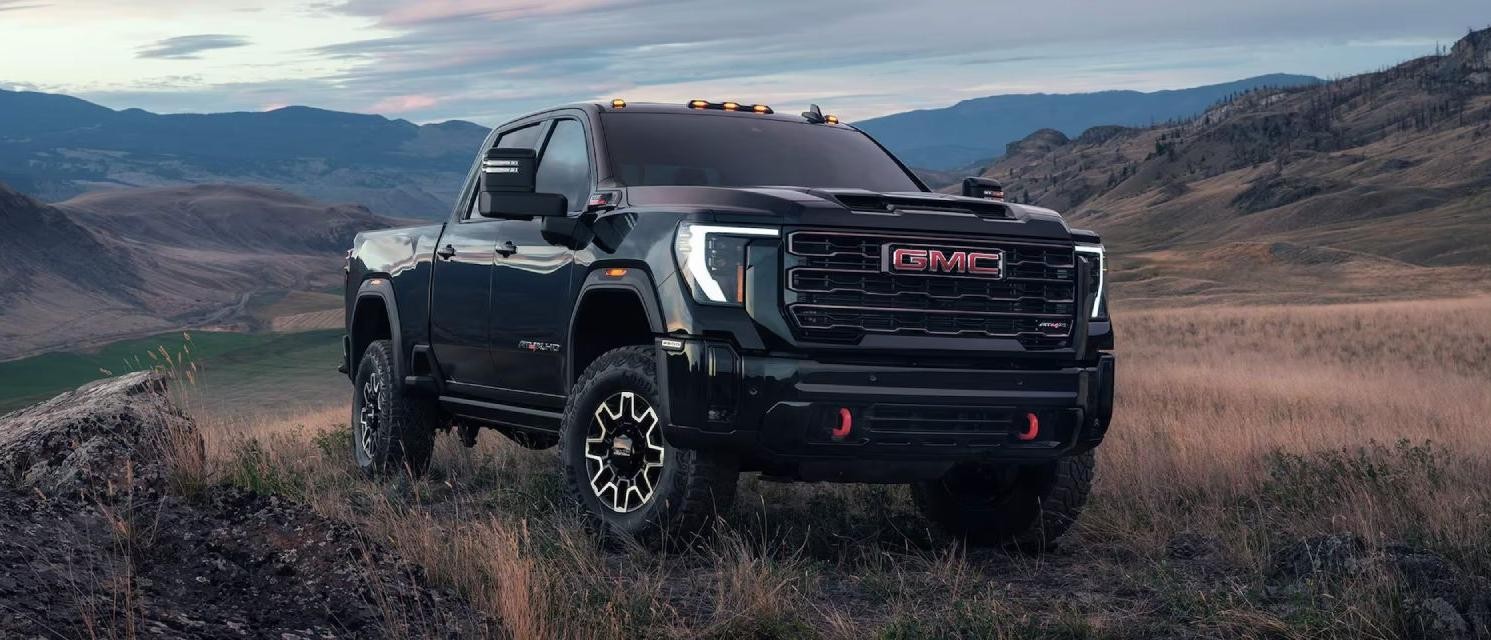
[731,106]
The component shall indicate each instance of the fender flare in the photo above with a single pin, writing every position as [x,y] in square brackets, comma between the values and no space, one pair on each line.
[381,289]
[635,281]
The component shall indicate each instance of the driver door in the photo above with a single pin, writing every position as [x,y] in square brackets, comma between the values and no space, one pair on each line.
[461,287]
[535,282]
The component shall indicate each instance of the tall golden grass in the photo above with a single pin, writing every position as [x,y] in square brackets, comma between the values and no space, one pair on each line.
[1239,433]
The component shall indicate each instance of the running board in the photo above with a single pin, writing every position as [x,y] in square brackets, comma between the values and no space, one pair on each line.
[504,415]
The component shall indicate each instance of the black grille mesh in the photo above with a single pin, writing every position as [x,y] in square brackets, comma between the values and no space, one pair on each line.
[837,291]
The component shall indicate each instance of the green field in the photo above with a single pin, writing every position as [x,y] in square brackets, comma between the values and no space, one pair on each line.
[235,371]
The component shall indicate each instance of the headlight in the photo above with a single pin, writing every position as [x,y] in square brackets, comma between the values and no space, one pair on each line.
[1101,256]
[713,260]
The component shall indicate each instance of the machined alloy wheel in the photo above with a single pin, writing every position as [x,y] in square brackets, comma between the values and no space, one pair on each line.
[369,417]
[627,480]
[393,431]
[624,452]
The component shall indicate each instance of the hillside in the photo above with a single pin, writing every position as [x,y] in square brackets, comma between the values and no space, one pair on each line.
[1378,183]
[978,129]
[133,262]
[56,147]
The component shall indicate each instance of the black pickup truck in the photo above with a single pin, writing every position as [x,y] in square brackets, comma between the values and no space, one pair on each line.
[675,294]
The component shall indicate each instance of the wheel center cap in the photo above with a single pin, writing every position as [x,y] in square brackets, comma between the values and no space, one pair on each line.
[622,447]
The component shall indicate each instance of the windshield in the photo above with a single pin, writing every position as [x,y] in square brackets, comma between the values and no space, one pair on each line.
[704,149]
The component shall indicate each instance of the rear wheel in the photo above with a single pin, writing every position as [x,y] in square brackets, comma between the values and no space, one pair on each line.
[626,478]
[392,431]
[1025,506]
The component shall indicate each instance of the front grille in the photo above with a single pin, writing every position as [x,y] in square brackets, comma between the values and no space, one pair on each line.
[837,291]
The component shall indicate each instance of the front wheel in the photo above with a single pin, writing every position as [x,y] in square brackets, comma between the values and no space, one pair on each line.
[1027,506]
[626,478]
[392,431]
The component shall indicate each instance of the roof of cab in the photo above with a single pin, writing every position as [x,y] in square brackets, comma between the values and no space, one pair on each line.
[665,107]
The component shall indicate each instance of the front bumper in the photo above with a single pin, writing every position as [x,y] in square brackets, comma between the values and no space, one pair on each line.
[906,421]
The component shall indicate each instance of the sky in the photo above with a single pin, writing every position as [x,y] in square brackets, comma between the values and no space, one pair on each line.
[490,60]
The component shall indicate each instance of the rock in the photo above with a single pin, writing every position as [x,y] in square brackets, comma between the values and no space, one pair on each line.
[1425,573]
[1335,553]
[97,439]
[1470,58]
[224,563]
[1439,619]
[210,568]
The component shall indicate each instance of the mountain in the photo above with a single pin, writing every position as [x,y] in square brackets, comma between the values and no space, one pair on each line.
[1378,183]
[125,263]
[976,130]
[56,147]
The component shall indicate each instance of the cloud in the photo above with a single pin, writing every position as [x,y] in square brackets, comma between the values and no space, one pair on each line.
[487,61]
[403,104]
[188,47]
[15,5]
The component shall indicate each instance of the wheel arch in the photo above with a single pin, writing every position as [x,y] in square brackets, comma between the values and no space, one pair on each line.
[611,311]
[375,316]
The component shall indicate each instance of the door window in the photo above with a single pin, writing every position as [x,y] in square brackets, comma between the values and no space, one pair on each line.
[524,138]
[564,167]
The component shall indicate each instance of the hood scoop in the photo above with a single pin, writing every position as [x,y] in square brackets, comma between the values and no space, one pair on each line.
[865,202]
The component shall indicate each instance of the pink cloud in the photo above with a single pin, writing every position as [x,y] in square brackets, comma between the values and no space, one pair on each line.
[414,13]
[402,104]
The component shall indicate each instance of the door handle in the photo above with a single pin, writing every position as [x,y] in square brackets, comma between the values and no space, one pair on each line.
[507,248]
[446,252]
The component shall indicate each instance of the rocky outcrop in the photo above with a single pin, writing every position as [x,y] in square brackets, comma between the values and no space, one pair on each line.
[97,439]
[1470,58]
[94,543]
[1041,142]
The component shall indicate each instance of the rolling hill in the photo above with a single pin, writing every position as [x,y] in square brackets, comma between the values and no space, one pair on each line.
[127,263]
[978,129]
[55,147]
[1371,185]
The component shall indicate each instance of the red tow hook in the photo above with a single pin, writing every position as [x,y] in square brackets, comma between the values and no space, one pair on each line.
[1032,428]
[846,422]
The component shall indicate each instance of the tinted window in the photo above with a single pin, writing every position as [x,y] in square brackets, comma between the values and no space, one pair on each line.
[565,165]
[525,138]
[735,151]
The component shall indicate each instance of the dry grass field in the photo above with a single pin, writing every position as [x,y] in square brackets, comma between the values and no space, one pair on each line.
[1295,472]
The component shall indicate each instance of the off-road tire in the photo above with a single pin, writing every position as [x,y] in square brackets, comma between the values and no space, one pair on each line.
[405,433]
[693,487]
[1028,508]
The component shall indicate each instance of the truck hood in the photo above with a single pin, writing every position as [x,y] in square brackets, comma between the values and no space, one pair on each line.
[915,211]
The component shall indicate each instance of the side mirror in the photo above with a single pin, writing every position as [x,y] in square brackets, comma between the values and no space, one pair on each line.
[983,188]
[507,187]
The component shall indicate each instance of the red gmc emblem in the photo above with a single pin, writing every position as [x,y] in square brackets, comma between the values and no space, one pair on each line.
[986,263]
